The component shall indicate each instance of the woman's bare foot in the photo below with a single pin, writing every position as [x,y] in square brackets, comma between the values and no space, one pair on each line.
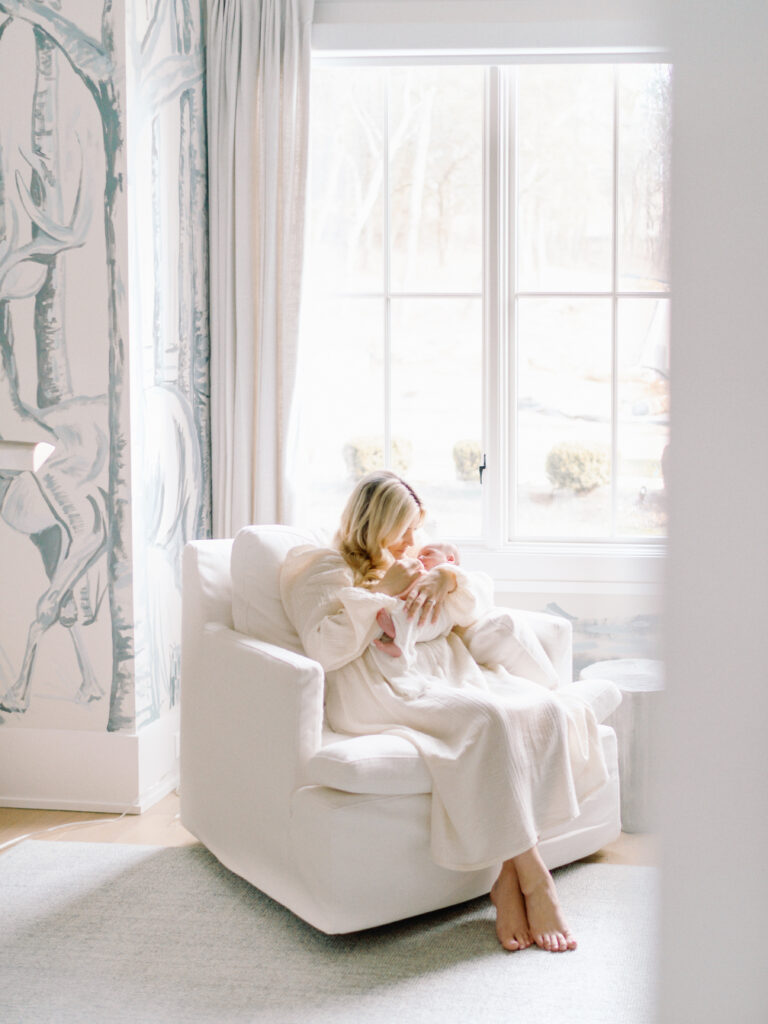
[545,919]
[386,642]
[511,920]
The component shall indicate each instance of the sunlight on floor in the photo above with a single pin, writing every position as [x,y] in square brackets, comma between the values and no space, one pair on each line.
[161,826]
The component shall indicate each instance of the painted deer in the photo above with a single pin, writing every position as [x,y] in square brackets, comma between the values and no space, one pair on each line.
[62,507]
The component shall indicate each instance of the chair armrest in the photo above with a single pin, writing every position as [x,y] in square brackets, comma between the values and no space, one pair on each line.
[555,634]
[251,717]
[535,645]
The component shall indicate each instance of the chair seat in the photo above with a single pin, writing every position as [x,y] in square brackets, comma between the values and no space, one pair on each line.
[379,764]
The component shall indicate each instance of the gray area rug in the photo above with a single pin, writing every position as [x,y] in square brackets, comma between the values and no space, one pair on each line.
[103,933]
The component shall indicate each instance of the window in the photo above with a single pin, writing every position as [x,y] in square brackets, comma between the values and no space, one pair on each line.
[487,289]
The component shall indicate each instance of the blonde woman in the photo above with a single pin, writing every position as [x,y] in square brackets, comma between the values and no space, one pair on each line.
[508,759]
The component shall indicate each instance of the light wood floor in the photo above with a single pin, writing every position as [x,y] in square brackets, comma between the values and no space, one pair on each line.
[160,826]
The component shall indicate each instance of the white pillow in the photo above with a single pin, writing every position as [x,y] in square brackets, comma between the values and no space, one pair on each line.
[258,553]
[379,764]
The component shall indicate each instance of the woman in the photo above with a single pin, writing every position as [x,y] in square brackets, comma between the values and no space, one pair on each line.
[508,759]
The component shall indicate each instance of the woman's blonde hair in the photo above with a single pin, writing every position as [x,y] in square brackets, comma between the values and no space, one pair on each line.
[379,510]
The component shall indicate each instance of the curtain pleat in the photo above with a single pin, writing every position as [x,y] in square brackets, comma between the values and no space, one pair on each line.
[258,112]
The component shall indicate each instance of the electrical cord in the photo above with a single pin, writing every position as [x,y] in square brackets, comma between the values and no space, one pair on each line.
[55,828]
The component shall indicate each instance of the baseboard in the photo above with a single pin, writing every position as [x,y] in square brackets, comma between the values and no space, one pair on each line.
[95,772]
[158,759]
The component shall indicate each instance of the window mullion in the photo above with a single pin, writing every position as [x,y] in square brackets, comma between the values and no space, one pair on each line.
[499,275]
[615,309]
[494,481]
[387,289]
[508,279]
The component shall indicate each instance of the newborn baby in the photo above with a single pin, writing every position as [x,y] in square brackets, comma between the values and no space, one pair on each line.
[399,625]
[394,651]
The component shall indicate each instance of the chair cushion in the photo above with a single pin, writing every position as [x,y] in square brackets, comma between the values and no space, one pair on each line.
[602,695]
[506,637]
[379,764]
[257,556]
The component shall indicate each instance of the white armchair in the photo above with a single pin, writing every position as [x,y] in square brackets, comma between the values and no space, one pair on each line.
[334,827]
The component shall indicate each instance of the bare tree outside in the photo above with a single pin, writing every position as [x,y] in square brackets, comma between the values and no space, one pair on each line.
[396,286]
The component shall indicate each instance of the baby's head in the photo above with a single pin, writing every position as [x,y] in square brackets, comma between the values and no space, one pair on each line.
[436,554]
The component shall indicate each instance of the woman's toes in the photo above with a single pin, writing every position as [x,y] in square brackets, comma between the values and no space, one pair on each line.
[516,942]
[555,942]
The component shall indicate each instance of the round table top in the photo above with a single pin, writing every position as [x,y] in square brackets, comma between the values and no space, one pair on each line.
[629,674]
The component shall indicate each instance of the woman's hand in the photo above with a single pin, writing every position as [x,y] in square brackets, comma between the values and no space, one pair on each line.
[399,577]
[426,596]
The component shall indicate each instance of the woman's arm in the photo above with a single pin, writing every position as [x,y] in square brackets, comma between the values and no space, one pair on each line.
[425,598]
[335,620]
[399,578]
[467,595]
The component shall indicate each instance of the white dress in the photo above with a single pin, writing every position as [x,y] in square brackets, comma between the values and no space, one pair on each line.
[402,672]
[508,758]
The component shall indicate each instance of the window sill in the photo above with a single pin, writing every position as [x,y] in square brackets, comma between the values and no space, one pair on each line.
[592,568]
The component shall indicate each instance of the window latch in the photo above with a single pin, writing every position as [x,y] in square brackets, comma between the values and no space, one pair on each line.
[481,469]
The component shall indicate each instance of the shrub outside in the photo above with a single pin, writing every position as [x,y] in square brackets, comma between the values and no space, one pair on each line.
[579,466]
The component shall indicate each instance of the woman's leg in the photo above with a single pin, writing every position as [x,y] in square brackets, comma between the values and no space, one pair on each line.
[545,920]
[511,918]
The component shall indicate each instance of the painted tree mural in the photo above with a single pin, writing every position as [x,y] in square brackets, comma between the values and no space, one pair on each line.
[78,510]
[170,125]
[93,62]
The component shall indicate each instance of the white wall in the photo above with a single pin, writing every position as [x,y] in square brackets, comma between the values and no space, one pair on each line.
[713,781]
[483,24]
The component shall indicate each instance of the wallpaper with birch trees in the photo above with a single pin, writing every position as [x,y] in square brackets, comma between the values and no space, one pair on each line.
[104,353]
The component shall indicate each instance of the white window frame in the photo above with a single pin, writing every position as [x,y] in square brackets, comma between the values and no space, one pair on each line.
[599,566]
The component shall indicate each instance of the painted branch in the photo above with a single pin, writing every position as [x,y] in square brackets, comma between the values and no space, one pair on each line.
[11,372]
[184,27]
[158,350]
[201,385]
[89,59]
[169,78]
[54,381]
[154,33]
[185,314]
[3,223]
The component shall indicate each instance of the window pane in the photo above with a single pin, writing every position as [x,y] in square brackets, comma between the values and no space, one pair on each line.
[436,407]
[341,404]
[345,206]
[565,177]
[395,216]
[564,418]
[436,178]
[643,415]
[644,165]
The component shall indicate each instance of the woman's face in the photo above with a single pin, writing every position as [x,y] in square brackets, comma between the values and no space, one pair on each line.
[400,545]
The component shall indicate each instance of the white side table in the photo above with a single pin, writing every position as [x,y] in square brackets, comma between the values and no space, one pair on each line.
[637,721]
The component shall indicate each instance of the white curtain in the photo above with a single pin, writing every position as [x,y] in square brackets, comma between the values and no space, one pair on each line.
[258,106]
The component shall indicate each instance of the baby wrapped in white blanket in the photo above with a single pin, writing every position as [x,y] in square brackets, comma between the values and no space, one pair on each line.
[501,639]
[394,652]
